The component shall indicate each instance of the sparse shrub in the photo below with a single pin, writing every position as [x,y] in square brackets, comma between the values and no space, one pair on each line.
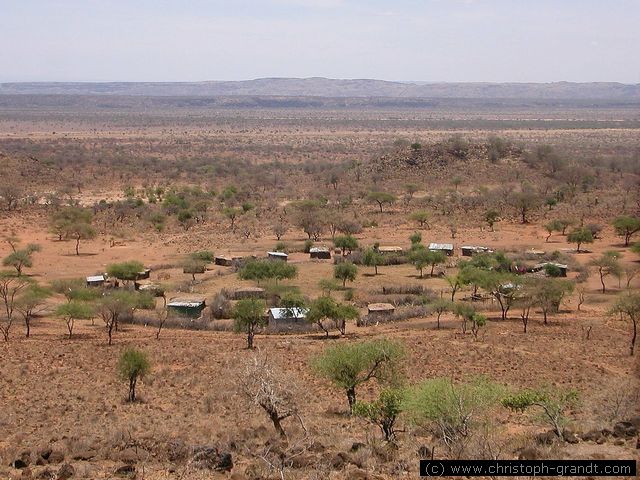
[382,412]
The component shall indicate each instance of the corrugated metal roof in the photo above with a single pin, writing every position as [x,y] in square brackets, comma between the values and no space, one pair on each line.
[277,254]
[283,313]
[186,302]
[96,278]
[380,307]
[318,249]
[440,246]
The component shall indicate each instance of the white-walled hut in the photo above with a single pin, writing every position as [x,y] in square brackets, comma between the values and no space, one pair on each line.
[277,256]
[320,253]
[288,319]
[471,250]
[446,248]
[95,280]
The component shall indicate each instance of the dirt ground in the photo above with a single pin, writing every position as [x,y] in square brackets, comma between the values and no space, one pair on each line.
[64,394]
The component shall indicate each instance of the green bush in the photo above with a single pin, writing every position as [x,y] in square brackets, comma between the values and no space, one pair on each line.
[132,366]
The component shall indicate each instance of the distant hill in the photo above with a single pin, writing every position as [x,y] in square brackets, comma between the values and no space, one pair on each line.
[326,87]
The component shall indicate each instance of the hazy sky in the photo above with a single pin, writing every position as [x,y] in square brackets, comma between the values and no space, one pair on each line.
[429,40]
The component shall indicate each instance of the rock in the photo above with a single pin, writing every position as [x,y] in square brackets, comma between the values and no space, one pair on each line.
[624,430]
[210,458]
[592,435]
[19,464]
[547,438]
[303,461]
[56,456]
[177,450]
[26,473]
[570,437]
[45,453]
[357,446]
[66,471]
[339,460]
[530,453]
[424,452]
[46,474]
[84,455]
[125,470]
[618,442]
[133,455]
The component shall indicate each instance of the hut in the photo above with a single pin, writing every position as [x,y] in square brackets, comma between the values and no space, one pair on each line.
[447,248]
[380,309]
[144,274]
[550,266]
[389,249]
[95,280]
[248,292]
[151,288]
[226,260]
[320,253]
[277,256]
[471,250]
[186,307]
[288,319]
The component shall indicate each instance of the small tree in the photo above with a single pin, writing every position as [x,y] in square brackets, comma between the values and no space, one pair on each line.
[248,316]
[548,293]
[422,217]
[116,305]
[346,243]
[348,366]
[607,264]
[553,402]
[31,302]
[552,226]
[232,214]
[439,307]
[267,387]
[345,271]
[383,412]
[326,308]
[491,217]
[580,236]
[11,287]
[193,266]
[626,227]
[381,198]
[72,311]
[132,366]
[629,306]
[21,258]
[372,258]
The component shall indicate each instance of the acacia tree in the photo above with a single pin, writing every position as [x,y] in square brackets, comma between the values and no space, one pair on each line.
[439,307]
[73,222]
[383,412]
[524,201]
[30,303]
[248,316]
[626,227]
[548,293]
[607,264]
[552,226]
[372,258]
[381,198]
[113,307]
[326,308]
[421,217]
[348,366]
[11,286]
[491,217]
[346,243]
[345,271]
[580,236]
[72,311]
[629,306]
[133,365]
[20,258]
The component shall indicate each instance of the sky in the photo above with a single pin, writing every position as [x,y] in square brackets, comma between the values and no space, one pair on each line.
[407,40]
